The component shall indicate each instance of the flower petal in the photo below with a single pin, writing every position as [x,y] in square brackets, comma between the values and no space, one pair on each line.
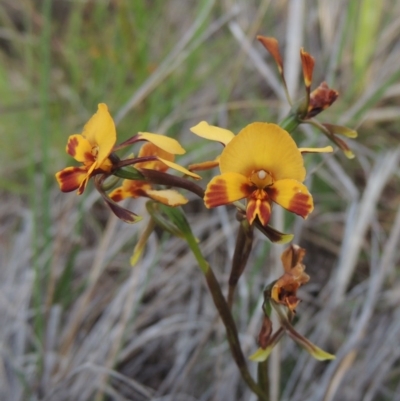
[179,168]
[262,354]
[100,131]
[213,133]
[204,165]
[129,189]
[149,149]
[326,149]
[168,197]
[321,98]
[226,188]
[340,129]
[80,149]
[260,208]
[293,196]
[307,62]
[123,214]
[272,46]
[166,143]
[71,178]
[274,235]
[263,146]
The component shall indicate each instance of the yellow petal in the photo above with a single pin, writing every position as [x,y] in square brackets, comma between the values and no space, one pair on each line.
[204,165]
[80,149]
[226,188]
[213,133]
[263,146]
[261,355]
[129,189]
[71,178]
[166,143]
[326,149]
[179,168]
[100,132]
[293,196]
[149,149]
[168,197]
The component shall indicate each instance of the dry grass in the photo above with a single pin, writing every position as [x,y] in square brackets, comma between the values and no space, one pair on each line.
[76,321]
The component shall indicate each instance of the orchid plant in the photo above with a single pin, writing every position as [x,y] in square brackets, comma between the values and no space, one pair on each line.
[260,166]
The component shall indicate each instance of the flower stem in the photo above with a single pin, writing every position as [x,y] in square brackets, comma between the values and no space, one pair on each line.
[232,335]
[244,243]
[262,376]
[158,177]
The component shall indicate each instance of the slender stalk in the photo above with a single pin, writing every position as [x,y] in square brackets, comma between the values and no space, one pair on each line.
[231,334]
[227,319]
[158,177]
[244,243]
[263,377]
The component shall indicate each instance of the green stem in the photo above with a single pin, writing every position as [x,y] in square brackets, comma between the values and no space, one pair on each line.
[231,333]
[262,376]
[244,243]
[179,220]
[227,319]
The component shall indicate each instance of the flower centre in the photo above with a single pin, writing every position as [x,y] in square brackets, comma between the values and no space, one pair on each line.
[261,179]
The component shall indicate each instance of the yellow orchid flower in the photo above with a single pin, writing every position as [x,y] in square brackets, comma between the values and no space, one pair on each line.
[263,165]
[160,160]
[224,136]
[92,148]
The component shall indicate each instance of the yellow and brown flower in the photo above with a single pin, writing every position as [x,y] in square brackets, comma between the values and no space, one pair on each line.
[159,159]
[92,148]
[263,165]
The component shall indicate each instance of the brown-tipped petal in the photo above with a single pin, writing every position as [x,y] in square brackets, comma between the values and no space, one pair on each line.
[293,196]
[226,188]
[272,46]
[80,149]
[320,99]
[307,62]
[71,178]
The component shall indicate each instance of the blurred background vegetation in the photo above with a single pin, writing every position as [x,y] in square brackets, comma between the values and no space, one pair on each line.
[77,322]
